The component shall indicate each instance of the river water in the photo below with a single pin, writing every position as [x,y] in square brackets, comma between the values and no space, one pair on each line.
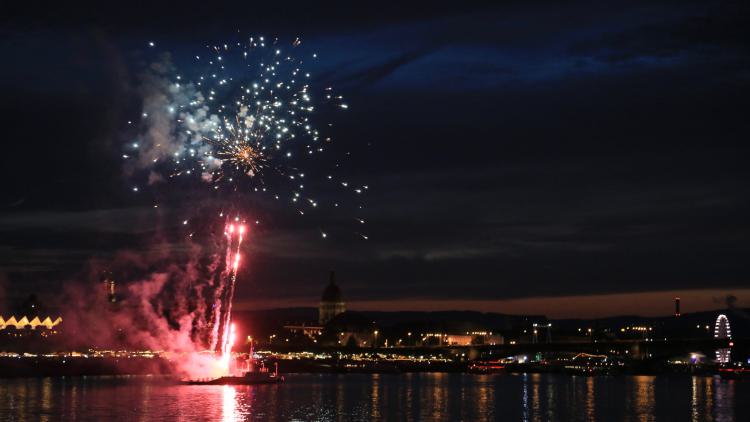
[434,396]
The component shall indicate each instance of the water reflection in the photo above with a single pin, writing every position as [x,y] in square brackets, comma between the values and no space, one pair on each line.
[529,397]
[484,403]
[525,400]
[229,408]
[712,399]
[409,396]
[724,399]
[438,395]
[145,402]
[590,400]
[644,398]
[537,402]
[694,400]
[551,414]
[533,406]
[375,398]
[46,399]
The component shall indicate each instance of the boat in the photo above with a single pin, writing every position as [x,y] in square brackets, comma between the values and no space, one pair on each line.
[248,378]
[487,367]
[734,372]
[588,364]
[253,376]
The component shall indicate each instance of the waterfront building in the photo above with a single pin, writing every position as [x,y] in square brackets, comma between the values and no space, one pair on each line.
[24,323]
[312,331]
[468,338]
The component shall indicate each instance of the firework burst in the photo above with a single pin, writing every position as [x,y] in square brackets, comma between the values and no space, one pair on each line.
[247,120]
[241,150]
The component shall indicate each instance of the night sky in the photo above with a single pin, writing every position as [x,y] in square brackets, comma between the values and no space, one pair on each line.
[520,158]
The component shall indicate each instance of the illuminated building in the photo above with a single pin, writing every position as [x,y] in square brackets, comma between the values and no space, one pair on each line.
[24,323]
[331,303]
[468,339]
[312,331]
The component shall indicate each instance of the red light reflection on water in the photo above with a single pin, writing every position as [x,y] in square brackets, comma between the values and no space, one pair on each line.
[230,408]
[236,402]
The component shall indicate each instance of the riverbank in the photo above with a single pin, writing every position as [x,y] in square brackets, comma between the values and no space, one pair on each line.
[35,366]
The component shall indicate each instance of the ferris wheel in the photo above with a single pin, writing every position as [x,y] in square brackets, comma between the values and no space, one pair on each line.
[722,331]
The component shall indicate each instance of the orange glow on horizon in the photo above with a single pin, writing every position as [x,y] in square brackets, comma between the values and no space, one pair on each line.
[582,306]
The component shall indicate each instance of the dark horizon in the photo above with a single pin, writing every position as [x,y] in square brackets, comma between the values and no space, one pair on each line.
[651,304]
[577,159]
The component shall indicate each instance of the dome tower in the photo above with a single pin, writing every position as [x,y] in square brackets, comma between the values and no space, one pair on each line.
[331,302]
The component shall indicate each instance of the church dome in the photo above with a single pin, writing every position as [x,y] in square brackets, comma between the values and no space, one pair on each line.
[332,293]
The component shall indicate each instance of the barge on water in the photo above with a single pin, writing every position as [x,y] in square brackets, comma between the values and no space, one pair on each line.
[249,378]
[252,376]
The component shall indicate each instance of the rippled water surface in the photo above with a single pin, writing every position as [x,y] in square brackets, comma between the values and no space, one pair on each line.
[531,397]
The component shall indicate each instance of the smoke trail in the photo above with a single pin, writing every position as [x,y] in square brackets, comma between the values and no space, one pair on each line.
[178,303]
[170,123]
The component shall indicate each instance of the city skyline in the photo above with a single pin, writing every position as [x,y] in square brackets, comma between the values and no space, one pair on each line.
[574,155]
[650,304]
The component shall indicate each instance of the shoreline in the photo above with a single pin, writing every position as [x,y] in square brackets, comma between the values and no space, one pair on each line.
[21,367]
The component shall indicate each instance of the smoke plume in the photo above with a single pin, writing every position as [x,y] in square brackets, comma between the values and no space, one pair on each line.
[165,301]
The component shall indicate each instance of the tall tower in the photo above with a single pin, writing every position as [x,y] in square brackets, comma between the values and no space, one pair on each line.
[108,281]
[331,303]
[112,296]
[677,306]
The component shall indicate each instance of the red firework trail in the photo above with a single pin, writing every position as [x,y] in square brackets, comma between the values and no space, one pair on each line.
[223,329]
[228,331]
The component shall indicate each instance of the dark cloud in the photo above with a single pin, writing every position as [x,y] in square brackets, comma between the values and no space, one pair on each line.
[710,33]
[374,74]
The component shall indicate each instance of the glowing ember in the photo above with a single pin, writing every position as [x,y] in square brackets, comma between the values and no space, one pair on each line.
[238,149]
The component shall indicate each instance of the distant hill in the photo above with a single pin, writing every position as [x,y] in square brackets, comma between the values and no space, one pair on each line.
[687,325]
[264,322]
